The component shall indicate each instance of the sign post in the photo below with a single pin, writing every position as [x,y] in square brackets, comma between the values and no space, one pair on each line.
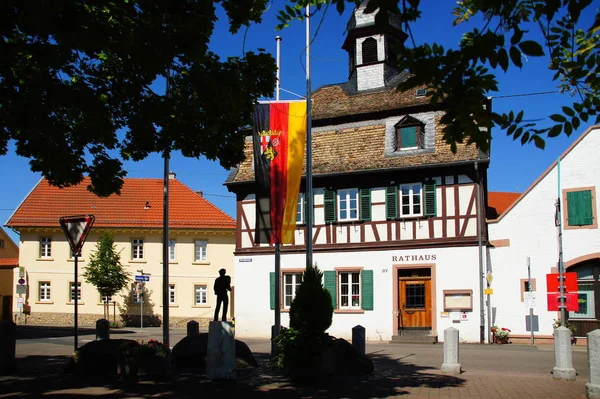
[76,229]
[142,280]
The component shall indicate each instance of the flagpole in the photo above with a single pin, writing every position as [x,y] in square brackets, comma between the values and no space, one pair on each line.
[309,186]
[277,326]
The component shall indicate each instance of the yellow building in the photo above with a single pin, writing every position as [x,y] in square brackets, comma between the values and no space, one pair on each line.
[201,241]
[9,260]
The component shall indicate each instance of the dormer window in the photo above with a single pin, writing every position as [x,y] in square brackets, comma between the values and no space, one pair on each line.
[369,51]
[409,133]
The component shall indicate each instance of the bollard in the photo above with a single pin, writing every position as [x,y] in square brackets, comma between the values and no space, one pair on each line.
[8,340]
[193,328]
[592,388]
[102,329]
[451,346]
[563,368]
[220,351]
[358,339]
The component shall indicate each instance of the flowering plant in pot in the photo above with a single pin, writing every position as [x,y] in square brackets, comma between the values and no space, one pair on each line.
[500,334]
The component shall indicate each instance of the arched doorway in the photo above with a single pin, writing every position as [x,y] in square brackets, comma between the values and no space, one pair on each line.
[588,286]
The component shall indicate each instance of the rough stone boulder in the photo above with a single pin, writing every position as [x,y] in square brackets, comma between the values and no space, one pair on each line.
[99,357]
[348,361]
[190,352]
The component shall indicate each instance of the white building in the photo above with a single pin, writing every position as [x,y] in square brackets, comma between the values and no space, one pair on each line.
[395,211]
[528,229]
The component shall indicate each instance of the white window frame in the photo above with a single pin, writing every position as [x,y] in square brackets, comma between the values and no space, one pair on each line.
[137,249]
[349,284]
[411,196]
[300,216]
[44,291]
[72,291]
[295,284]
[172,295]
[201,256]
[202,290]
[45,247]
[172,250]
[109,297]
[345,196]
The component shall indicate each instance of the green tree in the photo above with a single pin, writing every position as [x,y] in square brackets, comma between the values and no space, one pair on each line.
[74,73]
[461,77]
[105,271]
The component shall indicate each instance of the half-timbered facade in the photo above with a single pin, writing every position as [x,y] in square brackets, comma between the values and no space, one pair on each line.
[395,210]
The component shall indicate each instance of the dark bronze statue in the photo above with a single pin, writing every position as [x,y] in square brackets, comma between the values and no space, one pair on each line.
[222,285]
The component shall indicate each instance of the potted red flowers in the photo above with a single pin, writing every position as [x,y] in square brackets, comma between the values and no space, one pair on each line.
[500,334]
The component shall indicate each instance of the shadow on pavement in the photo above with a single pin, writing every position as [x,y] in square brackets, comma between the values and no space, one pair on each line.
[37,331]
[45,376]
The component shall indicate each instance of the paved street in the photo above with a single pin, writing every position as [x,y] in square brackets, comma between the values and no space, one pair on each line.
[489,371]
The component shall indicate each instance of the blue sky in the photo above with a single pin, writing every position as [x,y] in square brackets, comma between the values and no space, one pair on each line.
[513,166]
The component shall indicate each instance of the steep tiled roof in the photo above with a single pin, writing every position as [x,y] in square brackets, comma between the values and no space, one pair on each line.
[339,100]
[187,209]
[362,149]
[9,262]
[500,202]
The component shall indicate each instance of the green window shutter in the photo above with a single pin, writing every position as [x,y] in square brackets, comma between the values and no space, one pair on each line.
[272,289]
[329,284]
[365,204]
[391,202]
[580,212]
[367,289]
[330,206]
[408,137]
[430,201]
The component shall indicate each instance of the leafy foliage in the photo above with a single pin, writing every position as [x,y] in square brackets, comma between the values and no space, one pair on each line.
[104,270]
[311,308]
[73,73]
[303,345]
[461,77]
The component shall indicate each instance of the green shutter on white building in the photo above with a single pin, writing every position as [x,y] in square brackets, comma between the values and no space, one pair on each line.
[580,211]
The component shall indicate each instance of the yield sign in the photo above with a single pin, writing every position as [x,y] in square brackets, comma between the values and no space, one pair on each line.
[76,229]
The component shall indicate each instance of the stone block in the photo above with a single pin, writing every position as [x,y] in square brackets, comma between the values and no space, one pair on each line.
[102,329]
[193,328]
[592,388]
[8,341]
[359,339]
[563,369]
[220,357]
[451,364]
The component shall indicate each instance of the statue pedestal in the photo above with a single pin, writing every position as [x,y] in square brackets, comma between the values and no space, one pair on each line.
[220,351]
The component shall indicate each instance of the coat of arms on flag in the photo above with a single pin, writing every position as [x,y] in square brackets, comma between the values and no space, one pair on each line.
[279,135]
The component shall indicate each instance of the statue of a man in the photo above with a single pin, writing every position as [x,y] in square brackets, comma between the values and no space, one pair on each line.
[222,285]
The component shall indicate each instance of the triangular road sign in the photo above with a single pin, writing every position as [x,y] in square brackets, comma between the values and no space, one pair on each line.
[76,229]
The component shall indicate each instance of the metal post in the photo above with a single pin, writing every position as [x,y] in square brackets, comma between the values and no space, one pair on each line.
[76,309]
[165,238]
[561,265]
[530,297]
[277,289]
[142,306]
[479,242]
[278,40]
[309,182]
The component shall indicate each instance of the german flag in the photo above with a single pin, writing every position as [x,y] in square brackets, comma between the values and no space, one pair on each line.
[279,135]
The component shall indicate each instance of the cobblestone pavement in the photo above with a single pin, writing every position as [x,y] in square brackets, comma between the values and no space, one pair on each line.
[406,371]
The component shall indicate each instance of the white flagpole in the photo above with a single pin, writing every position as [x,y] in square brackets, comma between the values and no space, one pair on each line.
[309,187]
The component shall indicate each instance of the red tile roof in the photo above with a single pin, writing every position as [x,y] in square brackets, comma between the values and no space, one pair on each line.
[500,201]
[187,209]
[11,262]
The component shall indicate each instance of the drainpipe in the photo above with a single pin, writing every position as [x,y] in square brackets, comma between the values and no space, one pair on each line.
[479,243]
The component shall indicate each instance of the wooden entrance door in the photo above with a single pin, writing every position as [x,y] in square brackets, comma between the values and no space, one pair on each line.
[415,304]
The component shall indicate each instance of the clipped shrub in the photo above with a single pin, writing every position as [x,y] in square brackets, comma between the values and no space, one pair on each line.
[311,309]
